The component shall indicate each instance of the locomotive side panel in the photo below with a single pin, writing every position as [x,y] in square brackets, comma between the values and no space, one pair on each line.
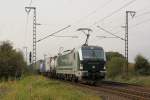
[66,64]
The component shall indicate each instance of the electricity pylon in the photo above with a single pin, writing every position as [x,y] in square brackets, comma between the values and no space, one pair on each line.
[132,13]
[28,9]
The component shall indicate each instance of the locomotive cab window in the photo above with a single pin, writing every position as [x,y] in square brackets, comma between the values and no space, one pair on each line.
[93,54]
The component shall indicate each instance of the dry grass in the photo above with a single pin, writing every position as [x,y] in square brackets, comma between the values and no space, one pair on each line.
[40,88]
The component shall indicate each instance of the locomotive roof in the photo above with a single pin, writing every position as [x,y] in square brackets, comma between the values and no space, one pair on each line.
[81,47]
[67,51]
[91,47]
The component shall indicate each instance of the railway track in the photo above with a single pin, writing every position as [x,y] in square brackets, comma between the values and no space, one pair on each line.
[145,91]
[128,91]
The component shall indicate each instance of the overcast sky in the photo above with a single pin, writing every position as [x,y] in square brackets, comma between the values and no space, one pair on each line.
[16,25]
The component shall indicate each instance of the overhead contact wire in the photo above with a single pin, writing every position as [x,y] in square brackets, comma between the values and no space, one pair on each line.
[54,33]
[114,12]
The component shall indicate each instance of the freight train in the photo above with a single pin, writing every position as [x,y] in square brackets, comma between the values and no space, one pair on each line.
[86,63]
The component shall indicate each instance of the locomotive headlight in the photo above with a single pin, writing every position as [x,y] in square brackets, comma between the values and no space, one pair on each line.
[81,66]
[104,67]
[93,67]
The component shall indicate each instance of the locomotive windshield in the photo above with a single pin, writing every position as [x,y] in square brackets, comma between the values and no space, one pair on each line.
[93,54]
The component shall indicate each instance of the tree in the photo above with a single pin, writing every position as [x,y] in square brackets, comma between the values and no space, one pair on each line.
[11,61]
[110,55]
[142,65]
[115,67]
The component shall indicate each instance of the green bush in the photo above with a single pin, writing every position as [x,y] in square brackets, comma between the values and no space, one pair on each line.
[142,65]
[12,63]
[110,55]
[115,67]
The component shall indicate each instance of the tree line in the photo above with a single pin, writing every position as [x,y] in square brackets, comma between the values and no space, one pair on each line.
[116,65]
[12,63]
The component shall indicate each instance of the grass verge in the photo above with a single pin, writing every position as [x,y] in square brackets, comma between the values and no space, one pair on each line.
[40,88]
